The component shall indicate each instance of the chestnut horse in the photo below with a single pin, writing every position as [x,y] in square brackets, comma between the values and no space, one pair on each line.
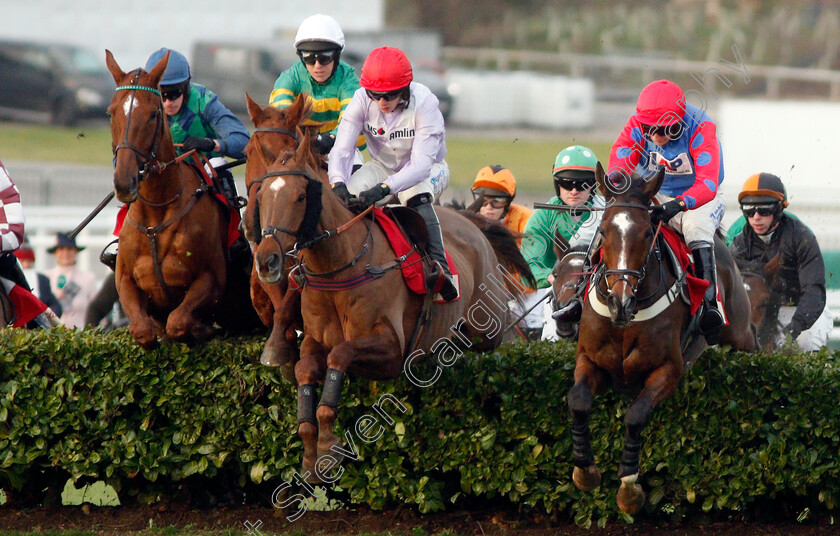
[758,280]
[172,273]
[359,314]
[641,337]
[275,133]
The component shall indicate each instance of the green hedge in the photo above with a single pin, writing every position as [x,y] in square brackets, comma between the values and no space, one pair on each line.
[742,432]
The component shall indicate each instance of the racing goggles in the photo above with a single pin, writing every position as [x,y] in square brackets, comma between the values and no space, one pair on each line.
[672,131]
[570,184]
[171,94]
[500,201]
[387,95]
[762,210]
[324,57]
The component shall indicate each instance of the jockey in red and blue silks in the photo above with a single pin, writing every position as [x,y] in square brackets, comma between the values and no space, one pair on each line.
[667,132]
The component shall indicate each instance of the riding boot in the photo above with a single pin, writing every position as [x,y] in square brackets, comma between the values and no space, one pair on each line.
[228,188]
[108,257]
[711,320]
[10,269]
[423,205]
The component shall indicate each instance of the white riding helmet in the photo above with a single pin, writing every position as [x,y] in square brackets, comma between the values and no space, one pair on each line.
[320,28]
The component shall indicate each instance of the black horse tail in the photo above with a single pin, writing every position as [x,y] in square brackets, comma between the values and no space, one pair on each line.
[504,245]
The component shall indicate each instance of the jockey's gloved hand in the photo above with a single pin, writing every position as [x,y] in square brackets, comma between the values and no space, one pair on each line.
[791,330]
[340,189]
[324,142]
[663,213]
[205,145]
[372,195]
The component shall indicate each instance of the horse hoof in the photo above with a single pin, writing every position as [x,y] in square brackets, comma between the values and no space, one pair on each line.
[274,356]
[587,479]
[630,495]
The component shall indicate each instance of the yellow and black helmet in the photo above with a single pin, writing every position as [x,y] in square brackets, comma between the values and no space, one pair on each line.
[763,189]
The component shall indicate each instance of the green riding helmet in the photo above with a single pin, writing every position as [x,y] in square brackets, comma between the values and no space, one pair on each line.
[576,163]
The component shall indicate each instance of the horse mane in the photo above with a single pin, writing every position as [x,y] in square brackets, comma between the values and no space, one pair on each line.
[504,245]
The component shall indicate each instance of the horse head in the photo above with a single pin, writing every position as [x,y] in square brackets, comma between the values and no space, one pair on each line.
[567,271]
[627,237]
[275,133]
[139,132]
[758,282]
[289,203]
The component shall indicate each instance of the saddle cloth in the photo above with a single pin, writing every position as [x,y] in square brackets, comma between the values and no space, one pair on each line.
[233,224]
[696,286]
[27,305]
[412,265]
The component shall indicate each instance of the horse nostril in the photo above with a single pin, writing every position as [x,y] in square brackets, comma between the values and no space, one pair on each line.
[272,263]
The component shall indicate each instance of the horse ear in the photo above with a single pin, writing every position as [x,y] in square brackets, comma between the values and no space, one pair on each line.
[560,244]
[255,111]
[298,109]
[599,179]
[157,71]
[653,184]
[771,269]
[303,149]
[116,72]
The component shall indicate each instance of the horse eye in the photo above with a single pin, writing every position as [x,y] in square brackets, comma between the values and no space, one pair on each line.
[301,198]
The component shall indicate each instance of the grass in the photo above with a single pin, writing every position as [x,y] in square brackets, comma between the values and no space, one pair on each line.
[530,159]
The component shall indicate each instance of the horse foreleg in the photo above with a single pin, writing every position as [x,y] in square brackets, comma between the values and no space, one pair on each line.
[281,346]
[659,385]
[382,352]
[588,378]
[182,322]
[308,372]
[133,302]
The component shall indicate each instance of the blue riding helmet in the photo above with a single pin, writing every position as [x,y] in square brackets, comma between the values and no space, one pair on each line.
[177,70]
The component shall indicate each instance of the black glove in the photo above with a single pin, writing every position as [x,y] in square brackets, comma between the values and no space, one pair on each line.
[205,145]
[371,196]
[323,143]
[340,189]
[663,213]
[791,330]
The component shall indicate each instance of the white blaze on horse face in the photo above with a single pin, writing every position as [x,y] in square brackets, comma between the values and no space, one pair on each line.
[277,185]
[127,104]
[624,224]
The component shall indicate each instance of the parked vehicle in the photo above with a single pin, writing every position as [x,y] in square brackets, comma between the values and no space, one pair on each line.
[50,82]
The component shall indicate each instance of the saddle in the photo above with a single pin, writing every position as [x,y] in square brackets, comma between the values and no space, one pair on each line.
[408,236]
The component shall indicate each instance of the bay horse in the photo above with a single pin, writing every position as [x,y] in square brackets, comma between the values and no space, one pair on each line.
[567,271]
[758,282]
[172,274]
[360,315]
[636,340]
[275,133]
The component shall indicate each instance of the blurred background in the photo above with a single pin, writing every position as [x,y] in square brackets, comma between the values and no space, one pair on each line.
[518,81]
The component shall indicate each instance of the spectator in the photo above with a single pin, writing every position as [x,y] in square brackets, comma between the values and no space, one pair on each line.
[38,282]
[797,303]
[73,286]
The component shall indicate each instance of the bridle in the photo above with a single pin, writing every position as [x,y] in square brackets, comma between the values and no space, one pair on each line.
[257,232]
[623,274]
[143,158]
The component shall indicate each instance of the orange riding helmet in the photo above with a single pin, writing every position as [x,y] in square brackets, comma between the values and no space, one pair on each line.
[763,188]
[496,178]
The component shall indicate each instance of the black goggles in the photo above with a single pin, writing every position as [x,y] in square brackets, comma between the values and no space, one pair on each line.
[171,94]
[672,131]
[762,210]
[387,95]
[324,57]
[581,185]
[495,201]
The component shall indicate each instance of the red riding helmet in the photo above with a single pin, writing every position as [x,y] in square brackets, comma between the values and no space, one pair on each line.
[661,103]
[386,69]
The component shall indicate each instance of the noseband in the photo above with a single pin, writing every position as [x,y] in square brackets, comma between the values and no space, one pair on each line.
[143,157]
[622,274]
